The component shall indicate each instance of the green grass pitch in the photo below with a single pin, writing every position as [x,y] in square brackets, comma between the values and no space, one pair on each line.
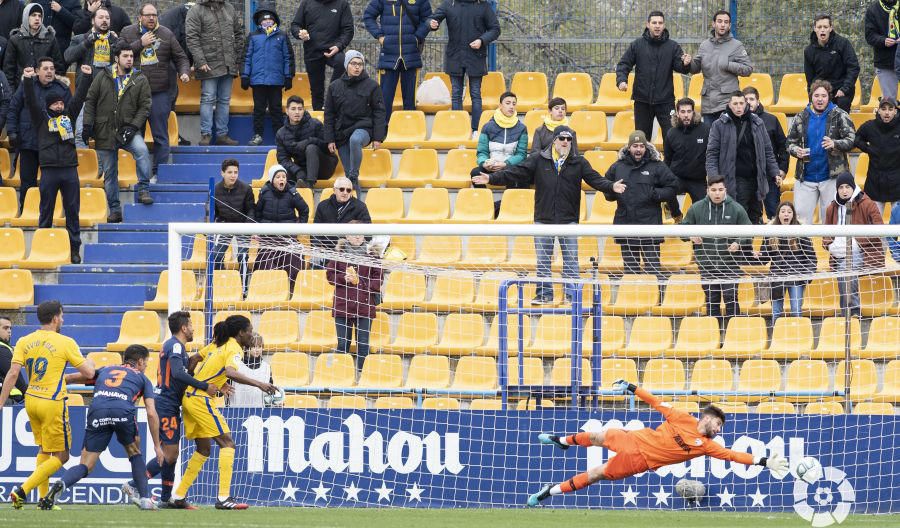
[120,516]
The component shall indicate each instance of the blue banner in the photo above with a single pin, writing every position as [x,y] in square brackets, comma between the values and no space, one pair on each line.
[419,458]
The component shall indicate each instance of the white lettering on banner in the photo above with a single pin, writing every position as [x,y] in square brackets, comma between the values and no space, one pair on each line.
[24,464]
[6,440]
[404,454]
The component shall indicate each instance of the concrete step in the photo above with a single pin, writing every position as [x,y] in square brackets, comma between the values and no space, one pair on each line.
[216,159]
[199,173]
[100,270]
[93,295]
[165,213]
[179,197]
[73,317]
[132,237]
[149,279]
[126,253]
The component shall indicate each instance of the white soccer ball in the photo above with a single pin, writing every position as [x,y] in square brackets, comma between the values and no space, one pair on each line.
[809,470]
[274,399]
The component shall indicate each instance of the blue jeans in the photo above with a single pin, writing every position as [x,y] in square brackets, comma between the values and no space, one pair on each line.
[160,107]
[215,91]
[109,167]
[543,249]
[848,286]
[344,327]
[351,155]
[796,293]
[389,80]
[457,83]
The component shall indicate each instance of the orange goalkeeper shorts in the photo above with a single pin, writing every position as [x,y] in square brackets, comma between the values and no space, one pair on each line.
[628,460]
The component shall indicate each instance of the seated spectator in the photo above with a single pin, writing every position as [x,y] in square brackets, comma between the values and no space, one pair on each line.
[280,203]
[255,368]
[234,204]
[878,139]
[340,208]
[301,147]
[543,136]
[503,143]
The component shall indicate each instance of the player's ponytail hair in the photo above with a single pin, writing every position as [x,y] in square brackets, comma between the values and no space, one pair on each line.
[220,336]
[230,327]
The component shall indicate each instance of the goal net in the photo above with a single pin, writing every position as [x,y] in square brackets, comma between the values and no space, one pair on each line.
[420,362]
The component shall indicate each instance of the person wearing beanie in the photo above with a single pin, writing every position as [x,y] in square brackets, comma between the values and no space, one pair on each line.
[326,29]
[819,137]
[354,115]
[882,33]
[556,173]
[880,139]
[280,203]
[851,206]
[29,42]
[648,184]
[543,136]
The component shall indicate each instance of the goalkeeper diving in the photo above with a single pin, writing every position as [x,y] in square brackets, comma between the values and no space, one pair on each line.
[680,438]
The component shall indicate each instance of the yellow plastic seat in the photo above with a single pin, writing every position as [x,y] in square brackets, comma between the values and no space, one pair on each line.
[744,337]
[487,294]
[403,290]
[300,88]
[271,160]
[821,298]
[376,168]
[417,333]
[300,401]
[418,167]
[516,207]
[697,337]
[346,401]
[531,404]
[611,258]
[733,407]
[89,168]
[863,378]
[197,260]
[650,337]
[590,127]
[171,125]
[441,404]
[406,130]
[450,292]
[312,291]
[473,206]
[561,373]
[763,84]
[31,209]
[280,330]
[695,87]
[381,371]
[458,164]
[290,369]
[227,289]
[492,345]
[139,327]
[49,249]
[475,373]
[267,289]
[189,97]
[691,407]
[12,244]
[884,339]
[612,336]
[712,375]
[609,98]
[428,372]
[637,294]
[16,289]
[6,166]
[623,124]
[758,375]
[534,119]
[683,296]
[806,375]
[106,359]
[793,95]
[890,388]
[486,404]
[663,374]
[333,370]
[492,86]
[614,369]
[885,408]
[385,205]
[832,338]
[530,89]
[451,129]
[576,88]
[379,334]
[428,205]
[876,296]
[776,407]
[484,253]
[319,333]
[394,402]
[531,373]
[676,255]
[241,100]
[552,337]
[782,120]
[522,257]
[792,337]
[602,210]
[188,291]
[198,321]
[9,203]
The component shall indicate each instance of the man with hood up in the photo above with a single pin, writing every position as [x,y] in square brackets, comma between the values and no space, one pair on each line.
[29,42]
[831,57]
[61,15]
[722,59]
[880,139]
[326,29]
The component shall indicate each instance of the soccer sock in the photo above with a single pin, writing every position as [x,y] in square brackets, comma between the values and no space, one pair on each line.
[74,474]
[583,439]
[226,465]
[153,468]
[194,466]
[42,474]
[43,487]
[575,483]
[139,474]
[167,474]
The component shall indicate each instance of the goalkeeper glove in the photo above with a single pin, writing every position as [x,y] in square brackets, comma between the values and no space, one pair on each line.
[624,386]
[776,463]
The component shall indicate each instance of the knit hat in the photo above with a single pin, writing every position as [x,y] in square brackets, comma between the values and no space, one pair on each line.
[35,7]
[53,97]
[637,136]
[275,169]
[845,178]
[350,55]
[563,131]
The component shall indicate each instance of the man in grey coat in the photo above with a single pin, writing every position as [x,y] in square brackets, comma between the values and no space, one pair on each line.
[722,59]
[740,150]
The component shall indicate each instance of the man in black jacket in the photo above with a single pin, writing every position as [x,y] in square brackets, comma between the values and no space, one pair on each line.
[93,47]
[326,29]
[61,15]
[17,395]
[882,35]
[10,16]
[830,56]
[173,18]
[654,58]
[28,43]
[340,208]
[685,150]
[779,146]
[234,204]
[880,139]
[118,17]
[301,147]
[557,175]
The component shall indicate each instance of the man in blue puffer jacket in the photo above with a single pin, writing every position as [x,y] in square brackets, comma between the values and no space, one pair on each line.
[268,68]
[401,27]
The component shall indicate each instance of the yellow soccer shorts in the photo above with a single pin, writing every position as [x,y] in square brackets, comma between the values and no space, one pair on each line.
[49,424]
[201,418]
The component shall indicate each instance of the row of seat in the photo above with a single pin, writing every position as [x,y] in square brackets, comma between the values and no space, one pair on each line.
[88,169]
[92,208]
[49,250]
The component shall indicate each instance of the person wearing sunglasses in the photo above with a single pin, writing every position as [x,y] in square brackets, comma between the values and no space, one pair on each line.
[340,208]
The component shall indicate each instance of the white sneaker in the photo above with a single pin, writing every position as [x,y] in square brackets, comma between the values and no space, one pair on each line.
[475,135]
[132,493]
[147,504]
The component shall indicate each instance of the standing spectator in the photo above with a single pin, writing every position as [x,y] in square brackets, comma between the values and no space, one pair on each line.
[654,58]
[268,69]
[354,115]
[118,17]
[830,57]
[340,208]
[326,29]
[54,123]
[894,242]
[301,148]
[22,131]
[721,59]
[357,285]
[280,203]
[648,184]
[215,38]
[254,368]
[61,15]
[503,142]
[685,150]
[6,94]
[880,139]
[557,174]
[739,150]
[851,206]
[793,256]
[94,47]
[234,204]
[10,16]
[17,394]
[779,146]
[882,31]
[115,113]
[28,43]
[719,258]
[471,26]
[157,52]
[819,137]
[543,136]
[173,18]
[401,29]
[3,44]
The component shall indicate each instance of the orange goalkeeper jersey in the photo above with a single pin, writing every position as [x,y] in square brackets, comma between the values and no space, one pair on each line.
[677,439]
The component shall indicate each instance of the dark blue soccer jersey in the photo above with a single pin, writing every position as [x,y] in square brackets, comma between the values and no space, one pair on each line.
[119,387]
[173,361]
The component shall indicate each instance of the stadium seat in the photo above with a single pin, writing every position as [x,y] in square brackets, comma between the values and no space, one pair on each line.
[432,108]
[16,289]
[486,404]
[712,375]
[12,244]
[782,120]
[152,370]
[241,100]
[552,337]
[612,336]
[531,404]
[885,408]
[406,130]
[522,257]
[876,296]
[458,164]
[763,83]
[106,359]
[92,209]
[874,97]
[832,338]
[611,258]
[532,371]
[347,401]
[806,375]
[561,373]
[733,407]
[428,372]
[609,98]
[792,95]
[394,402]
[138,327]
[300,401]
[697,337]
[484,252]
[613,369]
[333,370]
[863,379]
[884,339]
[225,314]
[319,333]
[300,88]
[280,330]
[271,161]
[227,289]
[89,168]
[590,127]
[602,210]
[587,254]
[890,388]
[636,295]
[197,260]
[473,206]
[686,406]
[821,298]
[381,371]
[492,345]
[267,289]
[747,298]
[758,375]
[516,207]
[385,205]
[695,88]
[450,292]
[441,404]
[676,255]
[405,244]
[189,97]
[533,120]
[487,294]
[683,296]
[49,249]
[6,165]
[417,333]
[475,373]
[428,205]
[663,375]
[744,337]
[171,125]
[31,209]
[858,119]
[650,337]
[418,167]
[623,124]
[530,89]
[289,369]
[492,86]
[376,168]
[576,88]
[312,291]
[403,290]
[792,337]
[379,333]
[451,129]
[9,203]
[775,407]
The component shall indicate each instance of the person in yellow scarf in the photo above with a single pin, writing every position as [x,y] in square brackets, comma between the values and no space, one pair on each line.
[543,136]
